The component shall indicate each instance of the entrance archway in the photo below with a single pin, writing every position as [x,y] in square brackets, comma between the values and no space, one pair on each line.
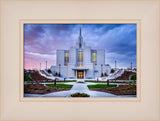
[80,74]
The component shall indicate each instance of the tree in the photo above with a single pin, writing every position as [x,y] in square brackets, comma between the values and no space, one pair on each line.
[105,74]
[49,70]
[27,77]
[112,70]
[56,74]
[133,77]
[102,75]
[59,74]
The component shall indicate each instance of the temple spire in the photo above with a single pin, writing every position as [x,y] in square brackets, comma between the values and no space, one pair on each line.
[80,38]
[80,31]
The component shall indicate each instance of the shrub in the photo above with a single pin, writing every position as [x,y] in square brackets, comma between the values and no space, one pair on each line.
[35,88]
[109,89]
[28,86]
[133,86]
[134,81]
[123,89]
[41,88]
[112,70]
[128,88]
[48,90]
[133,77]
[80,82]
[105,74]
[75,94]
[115,89]
[84,95]
[80,95]
[27,77]
[102,75]
[49,70]
[59,74]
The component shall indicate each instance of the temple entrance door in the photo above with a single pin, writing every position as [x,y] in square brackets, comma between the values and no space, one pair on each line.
[80,74]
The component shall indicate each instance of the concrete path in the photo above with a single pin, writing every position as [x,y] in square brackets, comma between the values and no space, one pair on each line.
[79,87]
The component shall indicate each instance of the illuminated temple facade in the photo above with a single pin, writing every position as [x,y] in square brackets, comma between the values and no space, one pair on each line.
[81,62]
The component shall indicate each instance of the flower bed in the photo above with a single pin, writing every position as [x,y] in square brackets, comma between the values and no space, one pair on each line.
[80,95]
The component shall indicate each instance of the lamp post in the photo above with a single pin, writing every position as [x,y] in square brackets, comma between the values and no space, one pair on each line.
[40,66]
[46,65]
[101,70]
[115,68]
[55,81]
[131,65]
[107,82]
[59,70]
[115,64]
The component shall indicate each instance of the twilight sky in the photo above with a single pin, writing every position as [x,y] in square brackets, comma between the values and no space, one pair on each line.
[42,40]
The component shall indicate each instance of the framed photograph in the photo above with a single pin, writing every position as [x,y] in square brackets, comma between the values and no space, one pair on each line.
[71,68]
[82,63]
[60,62]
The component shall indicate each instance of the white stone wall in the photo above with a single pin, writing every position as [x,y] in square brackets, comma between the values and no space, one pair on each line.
[90,71]
[71,73]
[97,70]
[64,71]
[106,69]
[86,55]
[72,55]
[54,69]
[100,57]
[60,57]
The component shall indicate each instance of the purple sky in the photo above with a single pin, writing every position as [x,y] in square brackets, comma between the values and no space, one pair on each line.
[42,40]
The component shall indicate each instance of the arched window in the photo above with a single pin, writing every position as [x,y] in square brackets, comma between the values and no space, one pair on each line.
[66,57]
[80,56]
[94,57]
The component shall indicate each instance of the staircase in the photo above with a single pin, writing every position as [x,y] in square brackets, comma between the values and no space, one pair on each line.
[116,74]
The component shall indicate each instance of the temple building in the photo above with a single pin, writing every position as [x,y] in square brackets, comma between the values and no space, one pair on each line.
[81,61]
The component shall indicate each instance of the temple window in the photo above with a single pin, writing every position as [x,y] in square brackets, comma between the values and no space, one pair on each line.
[66,57]
[80,56]
[94,57]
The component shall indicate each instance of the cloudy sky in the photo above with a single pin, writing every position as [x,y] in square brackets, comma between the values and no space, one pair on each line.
[42,40]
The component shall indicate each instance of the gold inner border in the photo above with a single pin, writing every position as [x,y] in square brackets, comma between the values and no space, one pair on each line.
[76,21]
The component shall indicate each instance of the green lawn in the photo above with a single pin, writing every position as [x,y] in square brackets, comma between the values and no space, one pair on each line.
[133,81]
[101,86]
[64,81]
[95,82]
[60,86]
